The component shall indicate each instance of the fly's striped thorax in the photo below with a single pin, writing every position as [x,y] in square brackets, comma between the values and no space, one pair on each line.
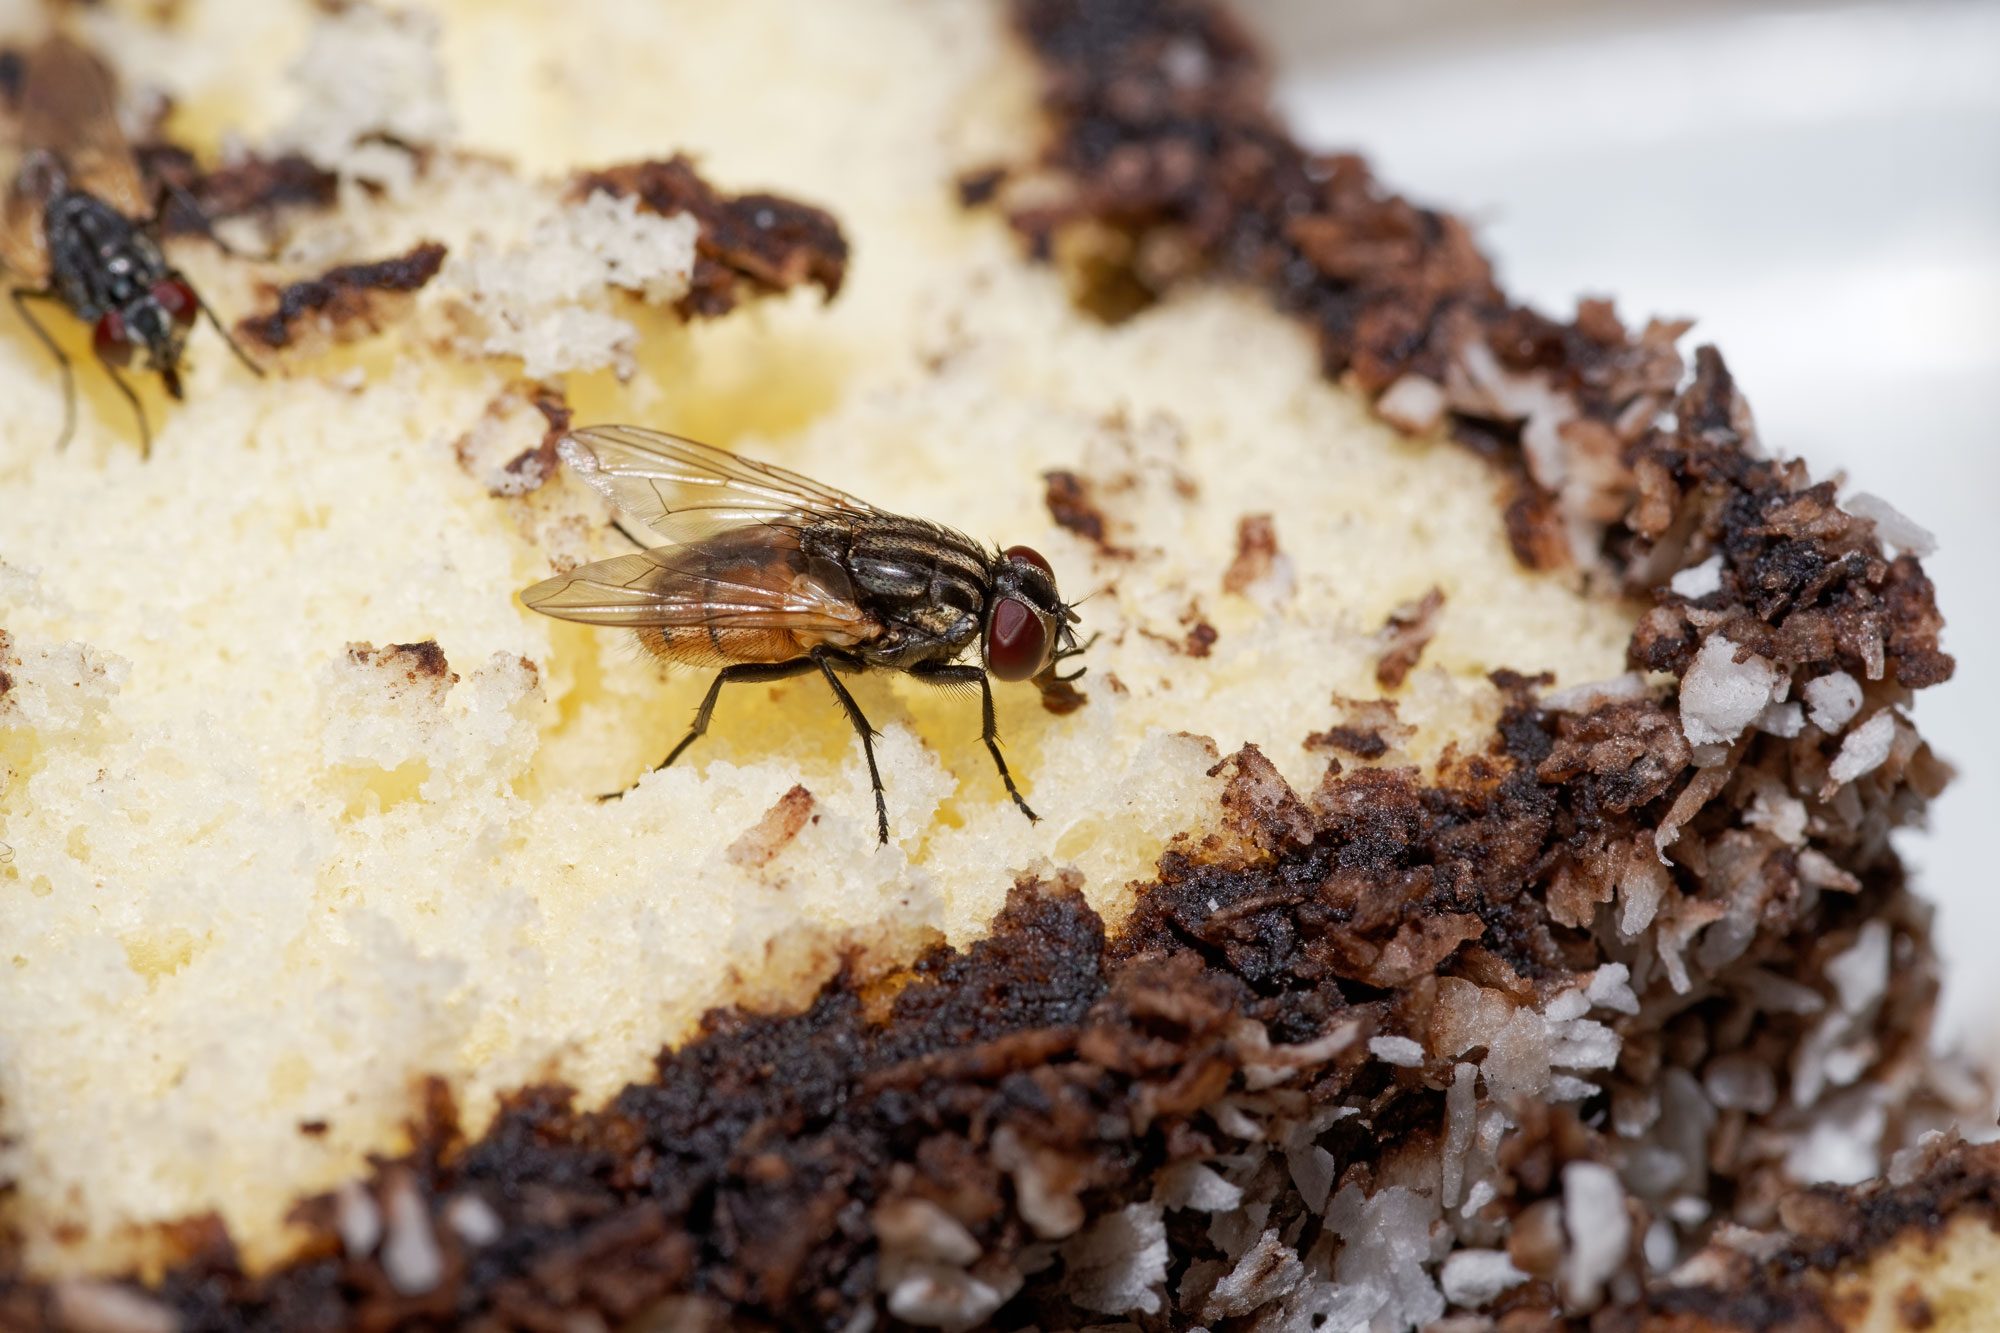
[903,566]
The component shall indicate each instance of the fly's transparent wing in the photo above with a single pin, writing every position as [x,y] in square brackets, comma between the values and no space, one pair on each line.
[754,578]
[24,249]
[688,492]
[69,109]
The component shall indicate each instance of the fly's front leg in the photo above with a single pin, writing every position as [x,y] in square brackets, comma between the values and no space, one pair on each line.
[20,296]
[170,193]
[138,408]
[739,673]
[829,659]
[227,336]
[965,673]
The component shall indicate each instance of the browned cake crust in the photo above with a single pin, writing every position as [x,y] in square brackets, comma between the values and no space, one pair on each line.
[1789,1280]
[959,1135]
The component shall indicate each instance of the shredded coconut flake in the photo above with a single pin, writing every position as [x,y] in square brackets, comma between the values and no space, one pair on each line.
[1860,972]
[357,1219]
[1720,696]
[1458,1122]
[1697,581]
[936,1296]
[1413,404]
[1661,1247]
[1599,1230]
[1864,749]
[410,1256]
[1198,1186]
[1396,1051]
[1640,890]
[473,1219]
[1517,1060]
[918,1229]
[1474,1277]
[1741,1082]
[1893,526]
[1120,1263]
[1571,1004]
[1383,1263]
[1313,1170]
[1267,1272]
[1782,720]
[1833,700]
[1611,988]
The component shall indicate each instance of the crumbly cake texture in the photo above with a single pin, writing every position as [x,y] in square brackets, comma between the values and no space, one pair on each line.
[1465,891]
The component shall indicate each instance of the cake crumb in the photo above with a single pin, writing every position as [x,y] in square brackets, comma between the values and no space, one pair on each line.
[1256,552]
[1405,635]
[774,832]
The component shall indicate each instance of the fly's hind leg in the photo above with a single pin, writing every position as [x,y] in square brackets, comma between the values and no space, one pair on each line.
[740,673]
[965,673]
[828,660]
[20,296]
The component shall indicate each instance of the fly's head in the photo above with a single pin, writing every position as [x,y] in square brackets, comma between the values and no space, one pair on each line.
[155,322]
[1029,628]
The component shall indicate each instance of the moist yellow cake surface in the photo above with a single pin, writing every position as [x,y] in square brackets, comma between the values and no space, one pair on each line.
[262,870]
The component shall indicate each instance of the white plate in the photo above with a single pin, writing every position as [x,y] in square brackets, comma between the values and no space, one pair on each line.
[1820,187]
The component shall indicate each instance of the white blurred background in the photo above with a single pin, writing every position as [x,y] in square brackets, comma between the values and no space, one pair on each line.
[1819,186]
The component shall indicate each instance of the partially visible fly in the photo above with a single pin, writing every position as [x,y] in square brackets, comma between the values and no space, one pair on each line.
[768,574]
[78,231]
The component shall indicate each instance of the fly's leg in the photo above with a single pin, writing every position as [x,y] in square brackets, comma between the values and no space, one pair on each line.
[740,673]
[170,193]
[20,296]
[227,336]
[828,659]
[138,408]
[1058,659]
[964,673]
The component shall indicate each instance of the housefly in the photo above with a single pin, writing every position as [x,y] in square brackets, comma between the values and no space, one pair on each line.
[78,231]
[767,574]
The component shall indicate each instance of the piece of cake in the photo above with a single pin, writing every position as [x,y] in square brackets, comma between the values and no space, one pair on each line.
[1463,893]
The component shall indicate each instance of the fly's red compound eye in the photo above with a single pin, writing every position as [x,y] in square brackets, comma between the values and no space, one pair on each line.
[176,298]
[111,340]
[1016,640]
[1028,555]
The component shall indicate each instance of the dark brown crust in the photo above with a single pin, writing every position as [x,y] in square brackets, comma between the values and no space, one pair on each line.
[344,302]
[532,467]
[754,1173]
[1072,507]
[251,185]
[1830,1234]
[761,241]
